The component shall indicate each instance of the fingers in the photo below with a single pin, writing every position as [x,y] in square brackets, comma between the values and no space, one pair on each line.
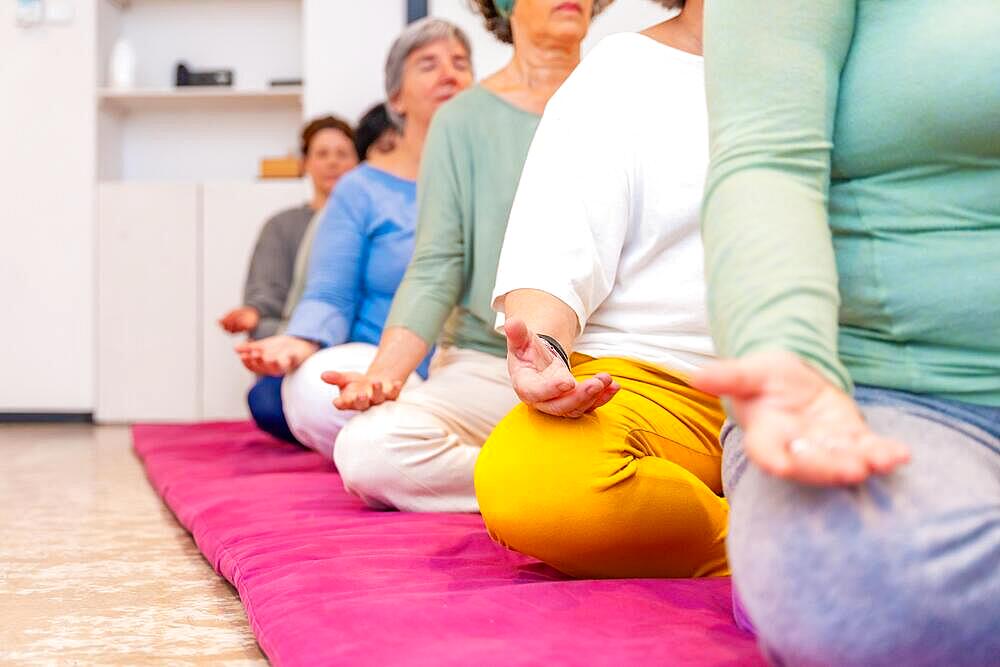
[392,393]
[334,378]
[285,360]
[766,443]
[824,466]
[250,356]
[518,337]
[358,392]
[377,394]
[771,444]
[524,346]
[883,454]
[533,386]
[579,401]
[605,396]
[825,460]
[735,378]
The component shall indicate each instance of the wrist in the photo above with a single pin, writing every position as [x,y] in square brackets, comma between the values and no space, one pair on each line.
[555,347]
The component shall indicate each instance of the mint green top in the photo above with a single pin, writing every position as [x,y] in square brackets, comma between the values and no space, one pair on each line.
[469,172]
[858,138]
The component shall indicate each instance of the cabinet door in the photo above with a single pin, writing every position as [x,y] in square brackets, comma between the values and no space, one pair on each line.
[148,348]
[233,214]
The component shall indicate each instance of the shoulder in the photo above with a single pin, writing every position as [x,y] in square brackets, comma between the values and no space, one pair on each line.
[465,117]
[459,110]
[355,183]
[625,71]
[288,215]
[287,221]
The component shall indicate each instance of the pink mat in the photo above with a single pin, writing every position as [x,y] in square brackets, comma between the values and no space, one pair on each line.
[328,582]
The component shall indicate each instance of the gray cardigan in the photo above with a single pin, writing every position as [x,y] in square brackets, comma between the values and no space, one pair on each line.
[272,268]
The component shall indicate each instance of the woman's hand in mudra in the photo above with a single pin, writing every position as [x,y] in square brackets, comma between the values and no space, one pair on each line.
[797,424]
[359,391]
[544,382]
[275,355]
[239,320]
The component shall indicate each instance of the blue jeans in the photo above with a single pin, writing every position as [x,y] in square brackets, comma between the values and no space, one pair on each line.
[903,569]
[264,400]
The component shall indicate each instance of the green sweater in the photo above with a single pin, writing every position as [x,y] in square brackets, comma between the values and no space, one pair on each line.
[852,210]
[469,172]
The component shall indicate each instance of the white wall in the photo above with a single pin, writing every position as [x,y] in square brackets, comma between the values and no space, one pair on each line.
[149,271]
[182,145]
[232,215]
[47,139]
[259,39]
[345,46]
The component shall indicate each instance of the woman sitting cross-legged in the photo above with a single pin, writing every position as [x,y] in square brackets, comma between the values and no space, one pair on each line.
[363,244]
[611,465]
[416,451]
[852,236]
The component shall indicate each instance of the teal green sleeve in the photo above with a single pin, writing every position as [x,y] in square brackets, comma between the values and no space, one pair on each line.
[433,281]
[772,76]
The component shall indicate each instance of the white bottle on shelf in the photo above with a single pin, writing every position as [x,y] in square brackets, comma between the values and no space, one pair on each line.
[121,68]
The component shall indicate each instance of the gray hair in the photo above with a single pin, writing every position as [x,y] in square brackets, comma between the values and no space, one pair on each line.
[414,36]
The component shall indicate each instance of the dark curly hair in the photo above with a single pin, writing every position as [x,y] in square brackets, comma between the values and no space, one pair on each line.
[500,27]
[324,123]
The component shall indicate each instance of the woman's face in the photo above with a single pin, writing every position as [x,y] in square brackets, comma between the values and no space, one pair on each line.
[432,75]
[562,20]
[331,155]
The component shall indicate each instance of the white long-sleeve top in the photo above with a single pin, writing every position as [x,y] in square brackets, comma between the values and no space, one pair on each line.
[606,216]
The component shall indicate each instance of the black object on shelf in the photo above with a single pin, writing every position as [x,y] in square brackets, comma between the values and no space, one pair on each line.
[278,83]
[218,77]
[415,10]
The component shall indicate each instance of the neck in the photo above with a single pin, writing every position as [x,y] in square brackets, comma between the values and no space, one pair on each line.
[690,22]
[411,145]
[318,200]
[404,160]
[541,67]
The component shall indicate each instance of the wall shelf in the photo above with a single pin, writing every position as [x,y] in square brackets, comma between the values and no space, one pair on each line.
[192,98]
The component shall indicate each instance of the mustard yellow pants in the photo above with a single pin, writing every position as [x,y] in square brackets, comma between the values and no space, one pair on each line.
[632,489]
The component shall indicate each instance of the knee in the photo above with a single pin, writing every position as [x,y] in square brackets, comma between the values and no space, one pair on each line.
[264,402]
[362,458]
[525,494]
[835,577]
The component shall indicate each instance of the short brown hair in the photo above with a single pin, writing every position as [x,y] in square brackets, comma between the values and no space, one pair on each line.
[500,26]
[324,123]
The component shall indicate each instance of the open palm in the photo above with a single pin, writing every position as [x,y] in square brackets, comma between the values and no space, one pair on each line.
[797,424]
[543,381]
[275,355]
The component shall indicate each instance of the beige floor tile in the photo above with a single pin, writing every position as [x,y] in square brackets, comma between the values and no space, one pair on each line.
[94,569]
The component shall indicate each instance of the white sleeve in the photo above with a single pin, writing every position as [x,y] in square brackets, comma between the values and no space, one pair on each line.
[571,213]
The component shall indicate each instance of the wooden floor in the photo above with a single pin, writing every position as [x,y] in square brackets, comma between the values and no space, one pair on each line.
[94,569]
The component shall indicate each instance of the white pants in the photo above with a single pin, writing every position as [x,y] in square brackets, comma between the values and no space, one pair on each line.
[308,401]
[418,453]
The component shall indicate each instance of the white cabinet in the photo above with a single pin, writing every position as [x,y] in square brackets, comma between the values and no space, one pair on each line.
[172,258]
[232,215]
[147,295]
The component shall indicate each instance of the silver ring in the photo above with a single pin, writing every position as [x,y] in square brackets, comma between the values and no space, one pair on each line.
[799,446]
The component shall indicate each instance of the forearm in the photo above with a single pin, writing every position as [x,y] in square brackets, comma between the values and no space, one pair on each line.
[543,313]
[426,296]
[769,260]
[400,352]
